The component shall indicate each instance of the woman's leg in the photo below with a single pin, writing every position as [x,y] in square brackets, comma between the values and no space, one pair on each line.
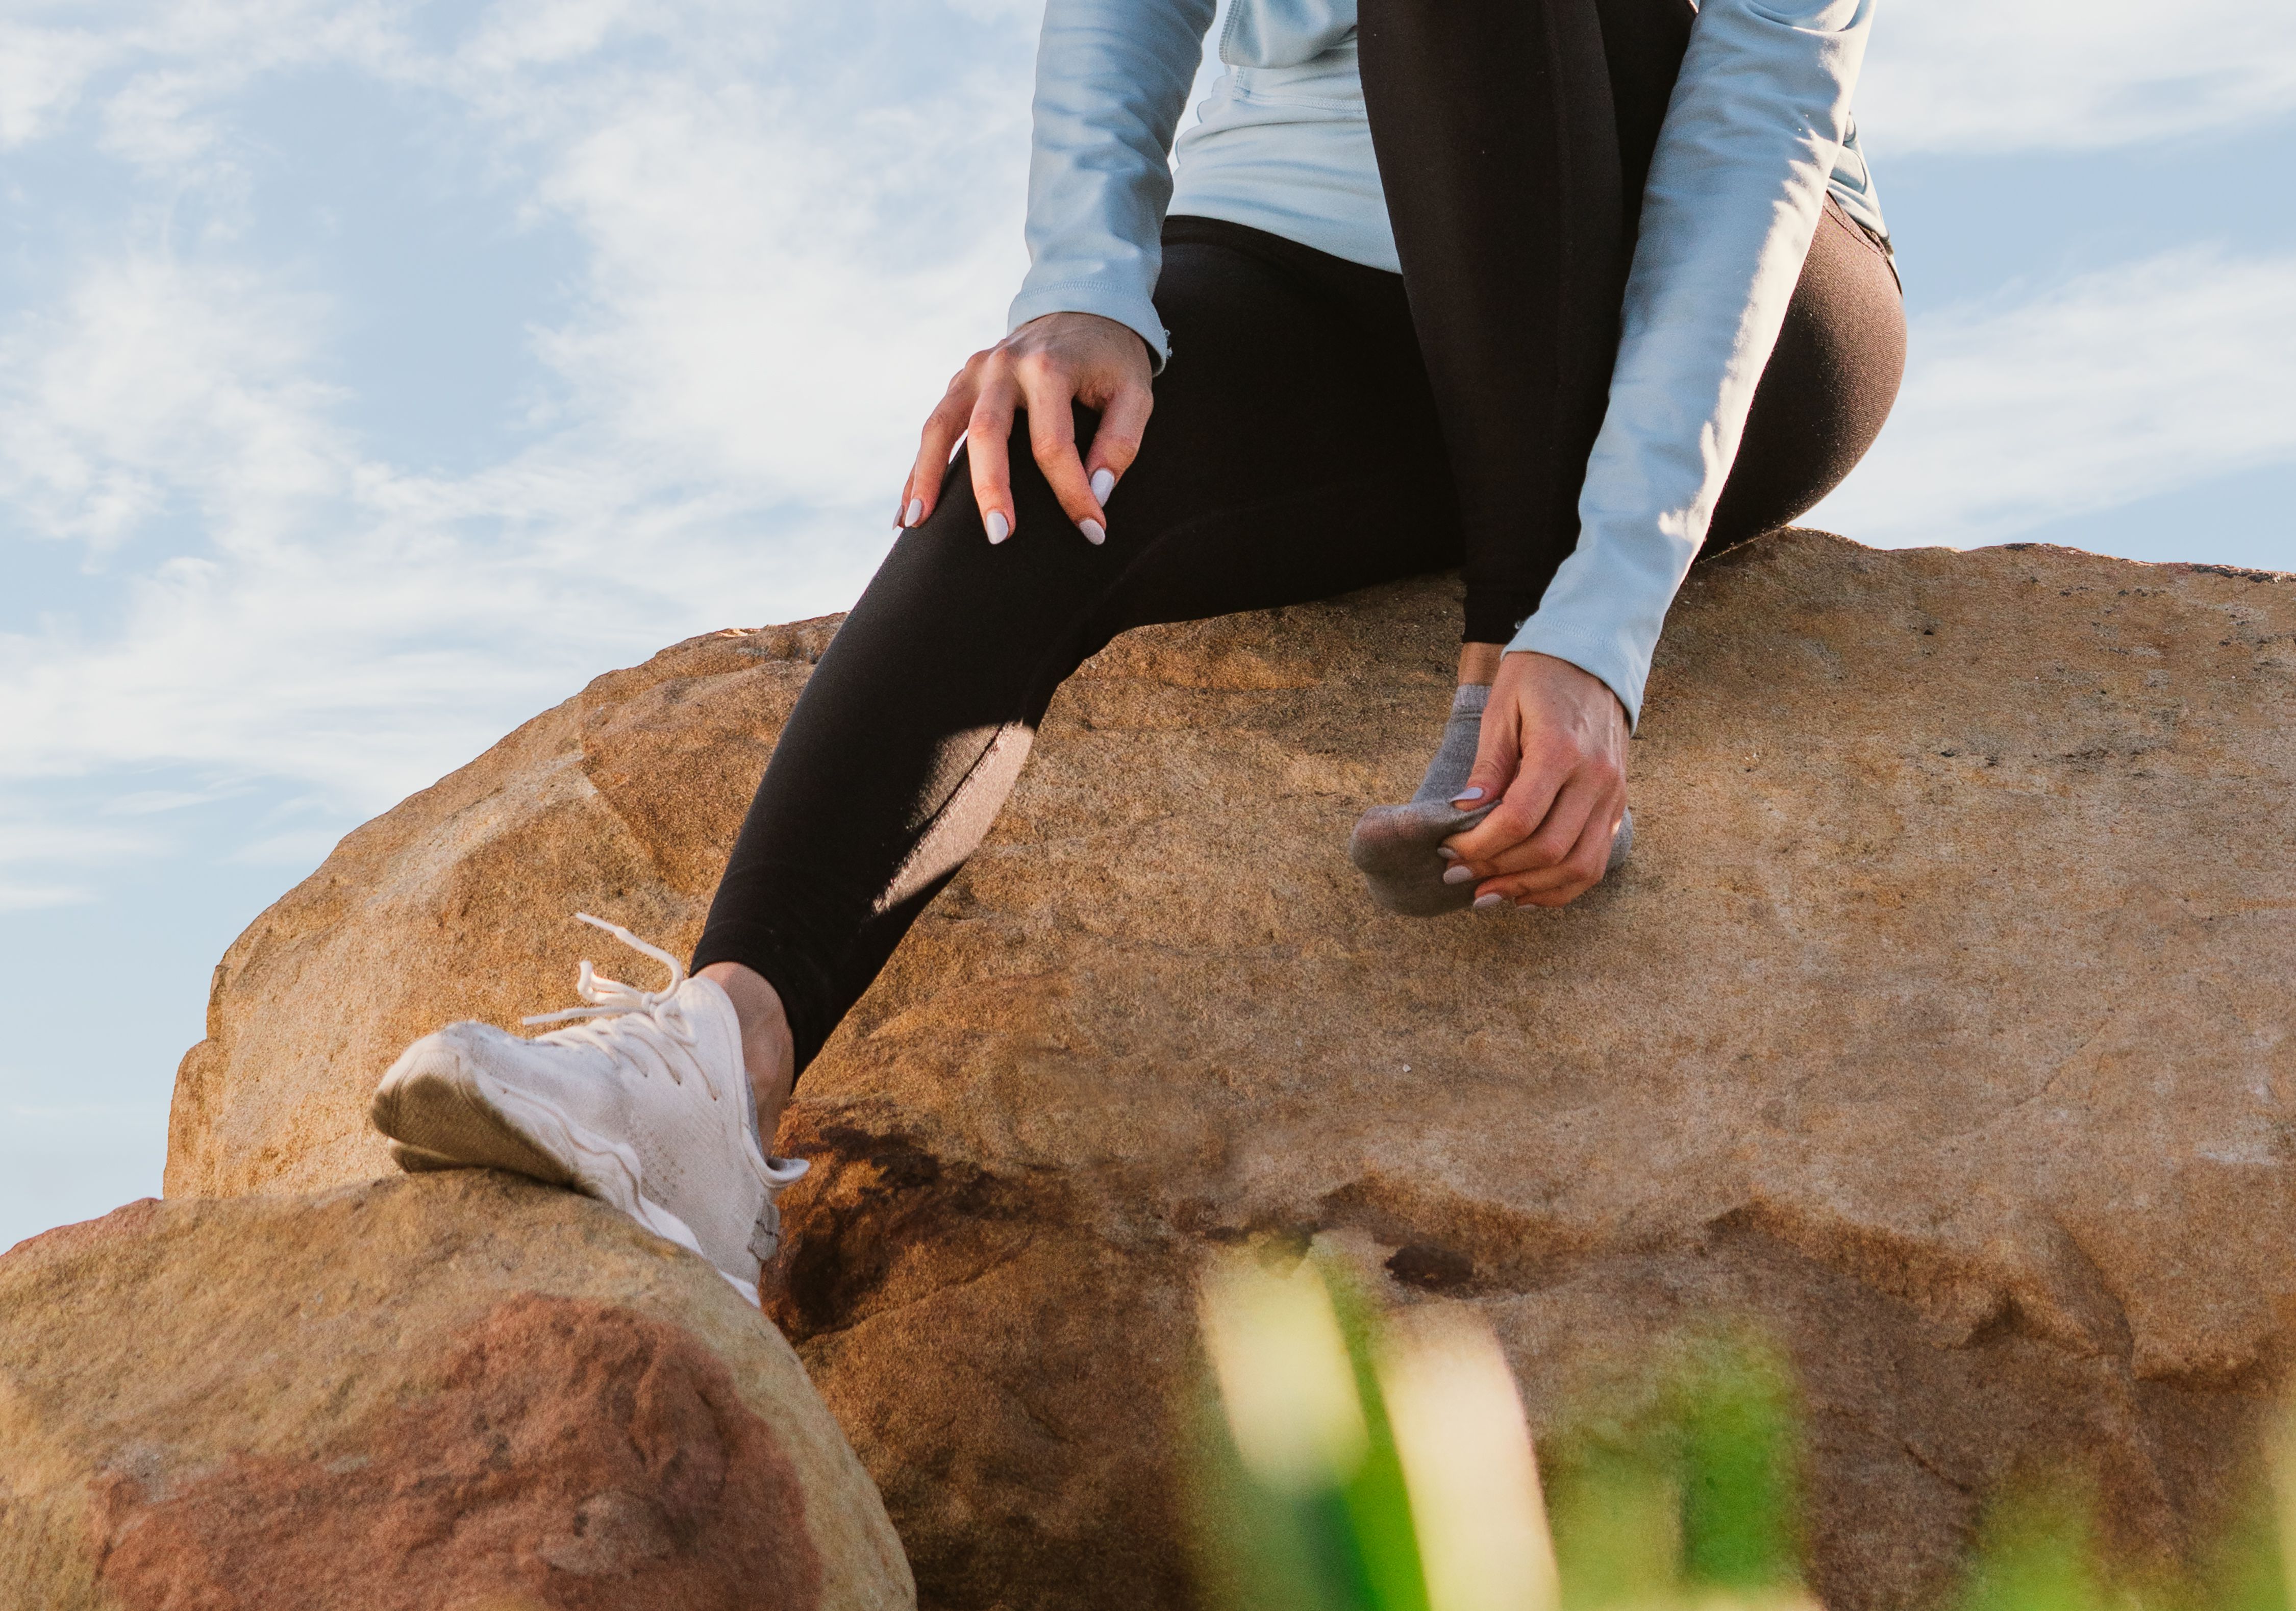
[1515,199]
[1294,455]
[1514,138]
[1291,456]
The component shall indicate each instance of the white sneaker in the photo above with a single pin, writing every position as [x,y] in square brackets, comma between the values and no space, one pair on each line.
[646,1106]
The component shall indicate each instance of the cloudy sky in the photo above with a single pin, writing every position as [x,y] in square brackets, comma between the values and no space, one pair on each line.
[373,373]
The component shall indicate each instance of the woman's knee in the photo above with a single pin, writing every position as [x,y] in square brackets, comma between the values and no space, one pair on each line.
[1827,391]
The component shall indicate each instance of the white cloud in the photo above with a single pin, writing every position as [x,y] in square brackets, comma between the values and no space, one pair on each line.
[791,229]
[766,288]
[303,848]
[40,852]
[52,843]
[2137,380]
[160,379]
[171,65]
[42,72]
[40,896]
[148,803]
[1990,76]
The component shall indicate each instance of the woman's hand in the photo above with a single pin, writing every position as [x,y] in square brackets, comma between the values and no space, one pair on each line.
[1554,744]
[1045,367]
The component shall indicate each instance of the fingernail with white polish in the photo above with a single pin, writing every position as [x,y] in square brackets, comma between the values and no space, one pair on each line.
[914,512]
[1459,875]
[1104,482]
[1463,795]
[1093,531]
[1489,903]
[1447,852]
[999,527]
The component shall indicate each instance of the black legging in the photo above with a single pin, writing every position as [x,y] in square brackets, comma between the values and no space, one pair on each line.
[1317,429]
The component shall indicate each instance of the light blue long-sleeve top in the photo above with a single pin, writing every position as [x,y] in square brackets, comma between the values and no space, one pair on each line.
[1759,131]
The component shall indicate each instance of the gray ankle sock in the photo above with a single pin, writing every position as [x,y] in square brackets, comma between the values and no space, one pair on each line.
[1455,757]
[1394,847]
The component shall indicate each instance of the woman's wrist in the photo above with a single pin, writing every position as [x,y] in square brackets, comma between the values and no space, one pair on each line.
[1579,685]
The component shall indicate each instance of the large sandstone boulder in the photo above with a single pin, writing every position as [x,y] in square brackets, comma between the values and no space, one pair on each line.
[464,1392]
[1939,1022]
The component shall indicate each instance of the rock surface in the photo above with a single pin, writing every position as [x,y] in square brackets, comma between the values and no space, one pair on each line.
[1939,1022]
[458,1393]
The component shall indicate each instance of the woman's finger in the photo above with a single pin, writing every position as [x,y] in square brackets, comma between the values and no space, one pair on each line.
[1051,392]
[986,434]
[1561,884]
[1526,788]
[1123,423]
[1581,798]
[944,428]
[1498,758]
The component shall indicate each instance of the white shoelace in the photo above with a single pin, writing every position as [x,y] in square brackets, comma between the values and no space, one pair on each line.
[657,1011]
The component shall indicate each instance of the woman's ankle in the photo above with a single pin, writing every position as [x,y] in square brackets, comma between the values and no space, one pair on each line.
[1479,663]
[768,1051]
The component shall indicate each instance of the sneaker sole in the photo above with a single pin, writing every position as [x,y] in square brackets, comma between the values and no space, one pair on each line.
[442,1118]
[437,1120]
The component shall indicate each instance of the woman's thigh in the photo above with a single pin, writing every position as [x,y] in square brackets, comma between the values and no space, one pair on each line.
[1295,452]
[1292,442]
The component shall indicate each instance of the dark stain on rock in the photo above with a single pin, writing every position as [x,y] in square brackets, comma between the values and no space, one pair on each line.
[571,1455]
[1432,1269]
[873,1207]
[1449,1244]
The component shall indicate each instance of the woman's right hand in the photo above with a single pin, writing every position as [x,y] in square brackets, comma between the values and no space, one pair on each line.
[1045,367]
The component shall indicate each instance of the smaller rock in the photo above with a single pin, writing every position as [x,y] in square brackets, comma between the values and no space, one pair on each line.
[457,1390]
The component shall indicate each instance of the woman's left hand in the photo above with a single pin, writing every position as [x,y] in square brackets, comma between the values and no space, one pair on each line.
[1553,748]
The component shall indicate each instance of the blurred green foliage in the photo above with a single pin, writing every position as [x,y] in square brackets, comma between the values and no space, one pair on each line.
[1697,1488]
[1687,1492]
[1349,1543]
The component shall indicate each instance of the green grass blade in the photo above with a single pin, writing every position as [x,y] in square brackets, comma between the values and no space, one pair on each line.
[1377,1503]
